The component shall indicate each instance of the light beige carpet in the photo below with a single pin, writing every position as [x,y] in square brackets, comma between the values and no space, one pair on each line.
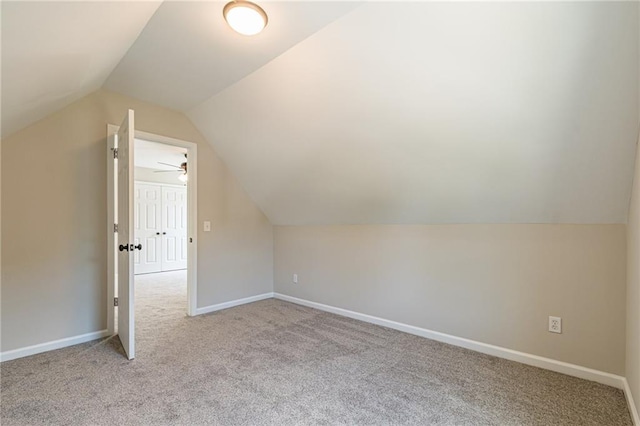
[276,363]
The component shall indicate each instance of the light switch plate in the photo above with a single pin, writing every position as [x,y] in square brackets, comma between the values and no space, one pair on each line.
[207,226]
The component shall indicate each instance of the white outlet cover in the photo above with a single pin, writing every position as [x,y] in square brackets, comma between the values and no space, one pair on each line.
[555,324]
[207,226]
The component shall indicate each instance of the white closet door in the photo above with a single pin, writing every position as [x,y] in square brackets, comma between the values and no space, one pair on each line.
[174,227]
[148,228]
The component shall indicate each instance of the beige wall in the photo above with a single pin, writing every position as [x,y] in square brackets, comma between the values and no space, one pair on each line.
[491,283]
[633,289]
[54,222]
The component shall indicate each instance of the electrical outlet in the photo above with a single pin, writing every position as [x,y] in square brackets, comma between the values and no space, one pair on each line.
[295,278]
[555,324]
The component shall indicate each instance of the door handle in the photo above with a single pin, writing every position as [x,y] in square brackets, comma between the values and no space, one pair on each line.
[157,233]
[130,247]
[164,233]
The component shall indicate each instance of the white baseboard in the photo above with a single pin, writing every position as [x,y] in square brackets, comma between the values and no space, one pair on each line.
[498,351]
[574,370]
[50,346]
[522,357]
[632,406]
[232,303]
[70,341]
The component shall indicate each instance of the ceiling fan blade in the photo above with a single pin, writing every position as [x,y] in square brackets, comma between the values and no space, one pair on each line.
[171,165]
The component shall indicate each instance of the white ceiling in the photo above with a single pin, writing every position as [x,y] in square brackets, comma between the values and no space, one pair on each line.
[416,112]
[54,53]
[441,113]
[151,154]
[187,53]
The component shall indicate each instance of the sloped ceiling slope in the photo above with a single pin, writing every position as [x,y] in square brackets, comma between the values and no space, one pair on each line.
[441,113]
[54,53]
[187,53]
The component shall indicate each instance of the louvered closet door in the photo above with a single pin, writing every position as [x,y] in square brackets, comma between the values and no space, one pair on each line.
[148,228]
[174,224]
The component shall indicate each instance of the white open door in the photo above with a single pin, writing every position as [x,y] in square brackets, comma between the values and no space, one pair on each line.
[126,323]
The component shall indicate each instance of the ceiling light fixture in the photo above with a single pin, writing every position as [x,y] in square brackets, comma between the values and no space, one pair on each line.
[245,17]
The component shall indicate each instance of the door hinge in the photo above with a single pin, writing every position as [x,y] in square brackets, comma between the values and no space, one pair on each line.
[115,301]
[115,227]
[115,152]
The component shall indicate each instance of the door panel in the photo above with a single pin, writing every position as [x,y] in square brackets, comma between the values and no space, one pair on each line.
[148,210]
[174,223]
[126,224]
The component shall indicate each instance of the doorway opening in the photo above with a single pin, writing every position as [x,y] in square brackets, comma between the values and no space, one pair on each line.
[152,226]
[160,207]
[161,180]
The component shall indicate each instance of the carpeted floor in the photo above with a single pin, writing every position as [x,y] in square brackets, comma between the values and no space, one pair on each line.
[276,363]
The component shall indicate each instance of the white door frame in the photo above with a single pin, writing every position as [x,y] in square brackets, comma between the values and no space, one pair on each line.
[192,218]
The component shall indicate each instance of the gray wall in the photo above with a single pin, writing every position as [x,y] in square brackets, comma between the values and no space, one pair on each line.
[491,283]
[633,289]
[54,215]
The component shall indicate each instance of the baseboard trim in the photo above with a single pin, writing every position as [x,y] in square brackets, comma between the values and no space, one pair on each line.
[632,406]
[498,351]
[232,303]
[83,338]
[485,348]
[53,345]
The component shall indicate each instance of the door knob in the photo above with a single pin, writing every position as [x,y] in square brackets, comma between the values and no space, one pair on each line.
[164,233]
[157,233]
[130,247]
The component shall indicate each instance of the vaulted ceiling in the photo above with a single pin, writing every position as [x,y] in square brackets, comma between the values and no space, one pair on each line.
[375,112]
[187,53]
[54,53]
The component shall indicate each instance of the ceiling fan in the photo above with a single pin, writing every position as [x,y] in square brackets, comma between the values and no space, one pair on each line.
[182,168]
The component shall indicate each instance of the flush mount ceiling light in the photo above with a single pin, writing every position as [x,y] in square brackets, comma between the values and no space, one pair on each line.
[245,17]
